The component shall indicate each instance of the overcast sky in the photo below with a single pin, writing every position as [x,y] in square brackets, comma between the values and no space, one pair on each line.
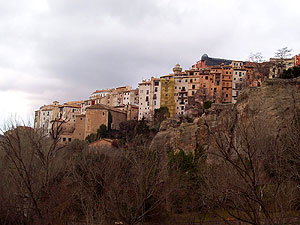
[65,49]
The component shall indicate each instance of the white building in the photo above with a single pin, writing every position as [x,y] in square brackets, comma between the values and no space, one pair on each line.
[149,98]
[45,115]
[238,83]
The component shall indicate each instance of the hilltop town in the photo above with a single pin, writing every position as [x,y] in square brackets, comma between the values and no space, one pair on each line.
[216,143]
[208,80]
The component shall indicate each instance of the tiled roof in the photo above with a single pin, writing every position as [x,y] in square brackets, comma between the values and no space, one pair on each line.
[101,106]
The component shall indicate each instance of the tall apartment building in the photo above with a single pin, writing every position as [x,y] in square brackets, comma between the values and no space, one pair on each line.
[238,82]
[175,89]
[225,87]
[149,97]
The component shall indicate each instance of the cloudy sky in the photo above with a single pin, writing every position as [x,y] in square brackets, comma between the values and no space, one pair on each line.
[65,49]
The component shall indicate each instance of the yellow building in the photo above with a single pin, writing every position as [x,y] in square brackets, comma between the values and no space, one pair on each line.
[167,93]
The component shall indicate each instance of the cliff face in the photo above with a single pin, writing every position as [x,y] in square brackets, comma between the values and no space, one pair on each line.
[176,136]
[266,110]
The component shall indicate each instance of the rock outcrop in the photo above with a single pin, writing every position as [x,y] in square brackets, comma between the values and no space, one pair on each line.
[174,135]
[269,108]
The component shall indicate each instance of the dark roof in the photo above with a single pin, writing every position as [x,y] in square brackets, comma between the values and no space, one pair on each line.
[215,61]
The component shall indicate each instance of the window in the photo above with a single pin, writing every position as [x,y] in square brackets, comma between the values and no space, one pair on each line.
[70,139]
[154,102]
[155,89]
[206,77]
[182,107]
[193,86]
[64,139]
[147,92]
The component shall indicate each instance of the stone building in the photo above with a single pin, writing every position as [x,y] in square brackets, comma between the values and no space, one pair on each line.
[99,114]
[79,131]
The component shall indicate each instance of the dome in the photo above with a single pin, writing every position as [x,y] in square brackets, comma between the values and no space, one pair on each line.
[204,57]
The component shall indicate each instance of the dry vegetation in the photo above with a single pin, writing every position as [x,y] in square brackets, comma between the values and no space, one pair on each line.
[253,180]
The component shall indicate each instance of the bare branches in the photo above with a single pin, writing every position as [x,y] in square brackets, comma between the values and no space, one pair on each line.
[256,57]
[283,53]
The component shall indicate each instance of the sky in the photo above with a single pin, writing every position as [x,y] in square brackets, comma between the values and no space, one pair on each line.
[65,49]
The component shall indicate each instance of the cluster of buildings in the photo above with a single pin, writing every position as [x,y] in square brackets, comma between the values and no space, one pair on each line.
[209,79]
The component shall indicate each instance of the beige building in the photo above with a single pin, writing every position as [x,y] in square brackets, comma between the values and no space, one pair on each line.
[68,113]
[99,114]
[114,97]
[149,97]
[79,131]
[278,66]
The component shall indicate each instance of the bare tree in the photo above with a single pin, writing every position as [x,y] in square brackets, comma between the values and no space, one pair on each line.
[249,181]
[32,170]
[256,57]
[117,186]
[283,53]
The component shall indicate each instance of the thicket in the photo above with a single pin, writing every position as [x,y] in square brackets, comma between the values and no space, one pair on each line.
[291,73]
[254,177]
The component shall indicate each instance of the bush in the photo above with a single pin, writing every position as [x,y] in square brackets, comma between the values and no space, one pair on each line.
[291,73]
[207,104]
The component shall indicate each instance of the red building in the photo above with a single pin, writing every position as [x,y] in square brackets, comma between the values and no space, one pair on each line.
[297,60]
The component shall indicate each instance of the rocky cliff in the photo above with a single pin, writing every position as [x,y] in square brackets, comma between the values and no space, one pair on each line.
[267,110]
